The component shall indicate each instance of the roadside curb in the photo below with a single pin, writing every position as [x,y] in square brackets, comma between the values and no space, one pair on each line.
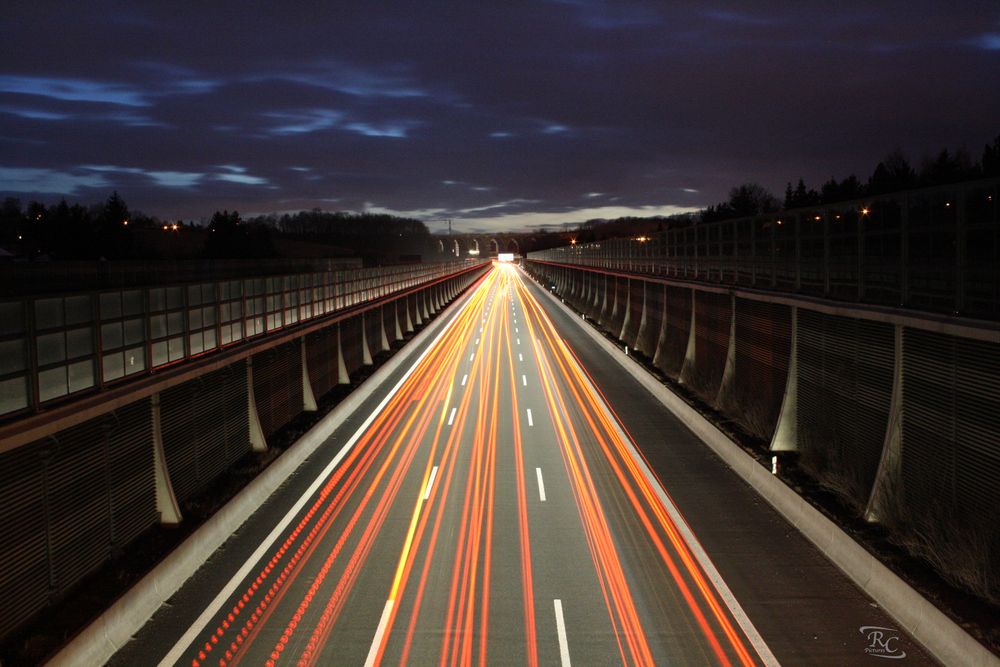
[928,625]
[100,640]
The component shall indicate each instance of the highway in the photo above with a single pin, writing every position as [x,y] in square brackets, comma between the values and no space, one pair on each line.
[489,506]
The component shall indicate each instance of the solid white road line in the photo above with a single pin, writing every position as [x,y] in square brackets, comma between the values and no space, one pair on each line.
[430,483]
[377,641]
[174,654]
[465,379]
[541,485]
[451,417]
[530,422]
[561,631]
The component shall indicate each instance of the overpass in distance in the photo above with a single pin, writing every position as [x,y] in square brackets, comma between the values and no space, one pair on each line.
[503,490]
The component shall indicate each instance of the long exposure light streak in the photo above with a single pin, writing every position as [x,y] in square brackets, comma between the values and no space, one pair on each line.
[426,533]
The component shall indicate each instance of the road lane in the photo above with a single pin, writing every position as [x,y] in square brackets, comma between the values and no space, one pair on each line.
[425,541]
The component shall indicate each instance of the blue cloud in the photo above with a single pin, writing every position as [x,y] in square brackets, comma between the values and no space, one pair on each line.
[988,42]
[176,179]
[74,90]
[304,122]
[396,130]
[47,181]
[35,114]
[238,174]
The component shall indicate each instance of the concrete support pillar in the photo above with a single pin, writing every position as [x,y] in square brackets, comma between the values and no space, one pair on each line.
[604,301]
[729,372]
[690,359]
[786,434]
[308,398]
[166,500]
[628,311]
[397,329]
[661,339]
[643,323]
[343,377]
[889,467]
[366,354]
[383,344]
[614,301]
[424,298]
[407,306]
[258,442]
[415,300]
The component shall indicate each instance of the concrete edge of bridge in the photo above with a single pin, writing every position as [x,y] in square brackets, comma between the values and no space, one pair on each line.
[103,637]
[940,635]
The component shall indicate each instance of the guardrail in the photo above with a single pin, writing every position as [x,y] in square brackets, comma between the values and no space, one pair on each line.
[123,405]
[935,249]
[54,348]
[895,411]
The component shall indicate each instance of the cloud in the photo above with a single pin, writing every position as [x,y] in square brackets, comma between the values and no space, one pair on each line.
[176,179]
[232,173]
[76,90]
[316,120]
[394,129]
[540,101]
[533,220]
[354,80]
[35,114]
[988,41]
[47,181]
[304,122]
[162,178]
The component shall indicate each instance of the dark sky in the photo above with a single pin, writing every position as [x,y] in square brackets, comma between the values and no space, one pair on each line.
[497,114]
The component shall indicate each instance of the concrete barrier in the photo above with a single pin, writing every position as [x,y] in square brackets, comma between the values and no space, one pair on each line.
[111,630]
[940,635]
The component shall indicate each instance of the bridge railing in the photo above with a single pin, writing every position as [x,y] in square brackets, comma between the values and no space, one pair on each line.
[861,341]
[935,249]
[54,347]
[123,407]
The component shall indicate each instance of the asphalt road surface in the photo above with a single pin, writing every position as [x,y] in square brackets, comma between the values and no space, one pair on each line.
[490,505]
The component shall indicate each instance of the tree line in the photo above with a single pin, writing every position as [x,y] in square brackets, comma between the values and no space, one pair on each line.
[893,173]
[111,231]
